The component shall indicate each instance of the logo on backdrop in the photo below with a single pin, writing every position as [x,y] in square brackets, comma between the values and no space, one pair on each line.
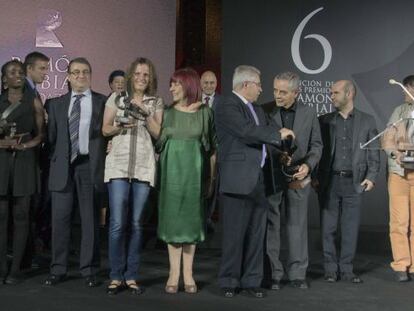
[314,93]
[326,47]
[47,22]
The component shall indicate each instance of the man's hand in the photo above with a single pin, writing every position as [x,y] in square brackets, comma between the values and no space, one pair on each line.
[284,133]
[302,172]
[367,184]
[398,156]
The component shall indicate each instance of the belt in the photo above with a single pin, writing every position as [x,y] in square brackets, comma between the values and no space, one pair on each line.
[343,173]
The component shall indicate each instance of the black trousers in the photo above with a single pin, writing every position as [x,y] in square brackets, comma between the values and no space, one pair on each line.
[296,204]
[20,208]
[79,186]
[341,204]
[244,219]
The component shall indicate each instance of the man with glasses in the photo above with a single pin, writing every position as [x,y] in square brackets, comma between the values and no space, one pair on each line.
[288,180]
[76,170]
[242,133]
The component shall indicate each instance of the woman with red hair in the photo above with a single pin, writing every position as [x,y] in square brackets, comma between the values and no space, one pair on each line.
[187,145]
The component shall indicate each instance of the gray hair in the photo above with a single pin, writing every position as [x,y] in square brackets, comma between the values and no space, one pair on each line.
[244,73]
[293,78]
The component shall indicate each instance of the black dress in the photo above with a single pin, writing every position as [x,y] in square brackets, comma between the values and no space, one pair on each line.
[18,169]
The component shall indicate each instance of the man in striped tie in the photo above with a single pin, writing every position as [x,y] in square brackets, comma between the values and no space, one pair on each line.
[76,170]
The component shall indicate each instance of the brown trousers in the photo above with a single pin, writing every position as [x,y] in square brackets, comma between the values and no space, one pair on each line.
[401,193]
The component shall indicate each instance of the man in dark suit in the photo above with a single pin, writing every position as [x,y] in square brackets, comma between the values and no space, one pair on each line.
[345,172]
[77,167]
[291,191]
[242,133]
[211,98]
[209,85]
[36,65]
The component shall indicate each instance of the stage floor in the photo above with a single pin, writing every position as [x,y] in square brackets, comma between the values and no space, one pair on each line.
[378,292]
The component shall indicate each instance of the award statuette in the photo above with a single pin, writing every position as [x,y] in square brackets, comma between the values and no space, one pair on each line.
[8,136]
[131,112]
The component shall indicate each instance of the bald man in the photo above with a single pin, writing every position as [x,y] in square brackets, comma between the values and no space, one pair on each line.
[209,85]
[345,172]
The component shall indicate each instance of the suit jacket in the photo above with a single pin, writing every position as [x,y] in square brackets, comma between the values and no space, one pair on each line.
[59,141]
[217,99]
[307,140]
[365,163]
[240,143]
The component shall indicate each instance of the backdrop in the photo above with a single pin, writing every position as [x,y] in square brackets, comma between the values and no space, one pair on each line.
[109,33]
[368,42]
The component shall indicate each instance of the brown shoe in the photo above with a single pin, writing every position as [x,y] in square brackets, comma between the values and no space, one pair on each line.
[171,289]
[190,289]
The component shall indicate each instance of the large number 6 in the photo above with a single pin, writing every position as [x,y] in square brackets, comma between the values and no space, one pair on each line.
[326,46]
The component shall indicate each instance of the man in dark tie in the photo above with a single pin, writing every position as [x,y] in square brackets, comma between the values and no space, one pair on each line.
[209,85]
[345,172]
[76,170]
[36,66]
[242,133]
[290,184]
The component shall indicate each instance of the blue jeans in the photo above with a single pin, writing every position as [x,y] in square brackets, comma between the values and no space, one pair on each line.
[125,227]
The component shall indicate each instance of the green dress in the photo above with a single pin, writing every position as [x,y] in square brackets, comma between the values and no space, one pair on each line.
[185,144]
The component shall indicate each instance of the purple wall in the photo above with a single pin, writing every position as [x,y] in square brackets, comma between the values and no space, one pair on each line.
[110,33]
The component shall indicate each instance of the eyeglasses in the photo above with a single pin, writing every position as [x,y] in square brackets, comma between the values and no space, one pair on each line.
[258,84]
[77,73]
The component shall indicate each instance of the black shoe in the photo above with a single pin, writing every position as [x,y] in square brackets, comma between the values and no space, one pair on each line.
[14,279]
[91,281]
[330,277]
[275,285]
[256,292]
[301,284]
[114,287]
[401,276]
[350,277]
[228,292]
[134,288]
[54,279]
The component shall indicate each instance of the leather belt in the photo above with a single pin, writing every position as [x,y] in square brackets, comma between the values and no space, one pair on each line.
[343,173]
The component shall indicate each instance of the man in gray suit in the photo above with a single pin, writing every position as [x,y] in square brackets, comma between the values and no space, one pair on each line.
[291,192]
[345,172]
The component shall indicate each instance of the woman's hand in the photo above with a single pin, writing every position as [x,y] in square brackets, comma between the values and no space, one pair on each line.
[19,147]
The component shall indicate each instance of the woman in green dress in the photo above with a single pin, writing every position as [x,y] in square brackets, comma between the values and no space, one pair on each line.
[187,158]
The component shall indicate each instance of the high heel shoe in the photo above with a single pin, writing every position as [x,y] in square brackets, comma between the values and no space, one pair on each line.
[190,289]
[134,288]
[114,287]
[171,289]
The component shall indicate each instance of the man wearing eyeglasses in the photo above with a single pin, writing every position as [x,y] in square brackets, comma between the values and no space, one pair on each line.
[288,181]
[243,132]
[76,170]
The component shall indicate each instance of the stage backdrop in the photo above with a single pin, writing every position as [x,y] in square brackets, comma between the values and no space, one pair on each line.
[368,42]
[109,33]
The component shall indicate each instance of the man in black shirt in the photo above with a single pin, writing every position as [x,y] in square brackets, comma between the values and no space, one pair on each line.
[291,192]
[345,171]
